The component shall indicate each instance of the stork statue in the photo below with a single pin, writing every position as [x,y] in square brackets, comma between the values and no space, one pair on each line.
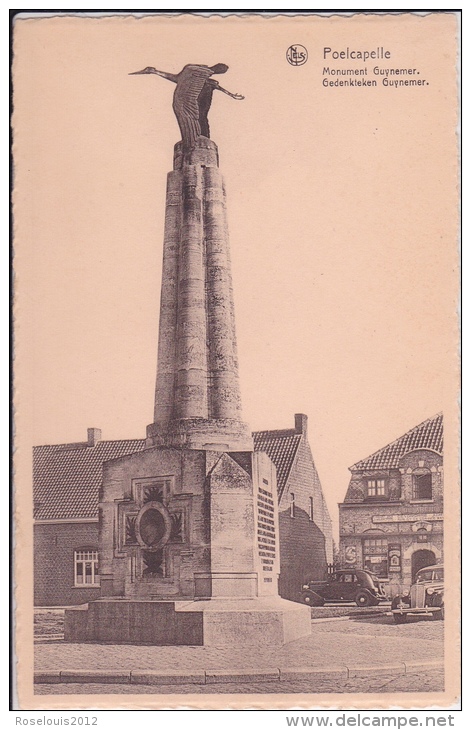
[192,98]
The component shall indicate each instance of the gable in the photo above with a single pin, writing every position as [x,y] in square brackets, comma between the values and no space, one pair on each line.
[281,447]
[427,435]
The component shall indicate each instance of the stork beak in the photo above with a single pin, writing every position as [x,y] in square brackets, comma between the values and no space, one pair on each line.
[135,73]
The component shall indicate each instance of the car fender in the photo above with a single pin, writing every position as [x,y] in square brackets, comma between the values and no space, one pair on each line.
[311,598]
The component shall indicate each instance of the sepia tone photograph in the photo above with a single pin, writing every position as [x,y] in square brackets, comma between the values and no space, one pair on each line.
[236,363]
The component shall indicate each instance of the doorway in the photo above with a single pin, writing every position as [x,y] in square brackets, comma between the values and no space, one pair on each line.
[421,559]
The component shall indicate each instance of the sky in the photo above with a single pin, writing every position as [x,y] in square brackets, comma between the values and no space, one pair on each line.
[342,211]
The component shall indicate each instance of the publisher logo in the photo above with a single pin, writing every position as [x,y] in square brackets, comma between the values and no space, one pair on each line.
[296,55]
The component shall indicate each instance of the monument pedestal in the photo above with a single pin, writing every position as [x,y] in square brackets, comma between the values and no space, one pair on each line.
[189,524]
[264,621]
[268,621]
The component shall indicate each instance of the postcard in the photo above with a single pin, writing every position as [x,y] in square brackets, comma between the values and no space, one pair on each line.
[236,360]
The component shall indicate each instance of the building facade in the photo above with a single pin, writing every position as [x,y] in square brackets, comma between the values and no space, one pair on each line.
[391,521]
[67,481]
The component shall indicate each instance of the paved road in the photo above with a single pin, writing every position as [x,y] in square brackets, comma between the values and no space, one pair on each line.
[431,681]
[374,640]
[417,629]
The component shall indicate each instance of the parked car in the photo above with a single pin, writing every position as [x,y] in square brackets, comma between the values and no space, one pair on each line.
[425,597]
[361,586]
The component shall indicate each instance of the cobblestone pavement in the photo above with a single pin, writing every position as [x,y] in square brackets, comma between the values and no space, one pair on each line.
[415,628]
[431,681]
[355,642]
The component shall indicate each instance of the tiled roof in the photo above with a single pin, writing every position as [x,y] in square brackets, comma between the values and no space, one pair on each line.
[67,477]
[427,435]
[281,447]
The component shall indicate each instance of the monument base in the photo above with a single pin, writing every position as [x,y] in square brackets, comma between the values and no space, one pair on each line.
[265,621]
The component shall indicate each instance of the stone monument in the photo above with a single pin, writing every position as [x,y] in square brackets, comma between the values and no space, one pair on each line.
[189,550]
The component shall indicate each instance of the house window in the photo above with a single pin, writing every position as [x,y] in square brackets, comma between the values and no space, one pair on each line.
[376,487]
[86,568]
[311,508]
[422,485]
[375,556]
[422,536]
[292,504]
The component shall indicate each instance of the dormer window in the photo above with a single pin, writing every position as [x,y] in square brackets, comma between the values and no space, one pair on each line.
[376,487]
[422,484]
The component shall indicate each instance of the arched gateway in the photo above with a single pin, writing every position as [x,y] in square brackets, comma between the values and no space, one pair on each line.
[421,559]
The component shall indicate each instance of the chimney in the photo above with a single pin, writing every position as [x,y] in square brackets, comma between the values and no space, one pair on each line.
[300,423]
[93,436]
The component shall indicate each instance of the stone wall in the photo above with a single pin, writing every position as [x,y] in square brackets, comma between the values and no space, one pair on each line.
[124,570]
[211,495]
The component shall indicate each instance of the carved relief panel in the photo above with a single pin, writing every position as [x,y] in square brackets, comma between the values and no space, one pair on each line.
[149,525]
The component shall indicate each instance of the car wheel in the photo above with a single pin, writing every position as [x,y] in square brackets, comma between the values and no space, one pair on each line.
[363,598]
[400,618]
[439,615]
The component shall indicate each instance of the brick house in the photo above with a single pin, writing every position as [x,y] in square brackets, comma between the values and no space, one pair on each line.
[67,479]
[66,482]
[391,521]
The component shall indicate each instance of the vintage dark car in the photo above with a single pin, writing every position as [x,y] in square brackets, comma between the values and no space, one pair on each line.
[425,597]
[361,586]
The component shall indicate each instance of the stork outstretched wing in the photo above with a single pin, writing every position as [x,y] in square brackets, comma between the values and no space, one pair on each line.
[191,81]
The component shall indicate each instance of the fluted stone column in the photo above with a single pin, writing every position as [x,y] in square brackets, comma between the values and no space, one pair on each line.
[223,363]
[191,391]
[165,387]
[197,399]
